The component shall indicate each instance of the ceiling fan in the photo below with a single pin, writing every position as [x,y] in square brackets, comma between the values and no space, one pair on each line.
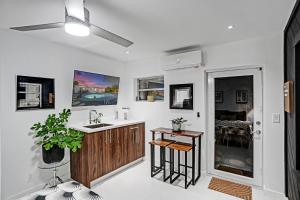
[77,22]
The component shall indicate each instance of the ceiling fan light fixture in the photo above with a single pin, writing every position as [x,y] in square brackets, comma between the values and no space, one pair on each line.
[77,29]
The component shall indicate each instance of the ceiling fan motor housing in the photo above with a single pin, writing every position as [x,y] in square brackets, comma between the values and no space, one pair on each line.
[74,19]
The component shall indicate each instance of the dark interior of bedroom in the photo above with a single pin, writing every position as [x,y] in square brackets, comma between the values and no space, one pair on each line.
[233,125]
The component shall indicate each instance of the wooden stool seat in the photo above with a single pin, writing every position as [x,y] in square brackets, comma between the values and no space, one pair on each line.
[184,147]
[161,143]
[179,146]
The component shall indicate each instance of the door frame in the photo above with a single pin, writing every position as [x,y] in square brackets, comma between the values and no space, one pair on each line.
[256,71]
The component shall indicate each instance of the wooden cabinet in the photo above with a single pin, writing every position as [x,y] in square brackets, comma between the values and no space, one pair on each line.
[135,142]
[105,151]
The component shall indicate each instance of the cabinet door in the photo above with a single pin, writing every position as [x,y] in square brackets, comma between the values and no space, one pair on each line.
[79,162]
[119,144]
[131,151]
[96,155]
[140,140]
[109,151]
[116,149]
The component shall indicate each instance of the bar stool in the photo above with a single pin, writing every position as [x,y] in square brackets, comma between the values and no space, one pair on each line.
[162,144]
[179,146]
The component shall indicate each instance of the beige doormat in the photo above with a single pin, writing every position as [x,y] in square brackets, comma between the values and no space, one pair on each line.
[231,188]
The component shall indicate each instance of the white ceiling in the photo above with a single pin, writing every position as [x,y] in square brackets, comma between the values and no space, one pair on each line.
[153,25]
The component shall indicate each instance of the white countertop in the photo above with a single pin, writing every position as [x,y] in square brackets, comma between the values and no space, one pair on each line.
[115,124]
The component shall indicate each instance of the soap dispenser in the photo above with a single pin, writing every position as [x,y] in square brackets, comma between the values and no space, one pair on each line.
[125,112]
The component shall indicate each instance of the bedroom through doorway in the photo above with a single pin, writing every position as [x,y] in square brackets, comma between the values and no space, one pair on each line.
[235,124]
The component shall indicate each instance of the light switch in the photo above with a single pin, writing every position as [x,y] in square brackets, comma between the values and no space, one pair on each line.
[276,118]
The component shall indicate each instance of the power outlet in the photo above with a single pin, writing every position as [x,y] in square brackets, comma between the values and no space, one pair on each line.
[276,118]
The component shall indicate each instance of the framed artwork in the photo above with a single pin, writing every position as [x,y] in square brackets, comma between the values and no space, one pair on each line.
[219,97]
[34,93]
[92,89]
[242,96]
[181,96]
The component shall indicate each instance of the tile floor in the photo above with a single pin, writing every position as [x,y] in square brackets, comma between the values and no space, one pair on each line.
[135,183]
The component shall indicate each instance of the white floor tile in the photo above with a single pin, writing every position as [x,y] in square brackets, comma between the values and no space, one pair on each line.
[136,184]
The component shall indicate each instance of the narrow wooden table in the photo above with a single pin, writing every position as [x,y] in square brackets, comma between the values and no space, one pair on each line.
[191,134]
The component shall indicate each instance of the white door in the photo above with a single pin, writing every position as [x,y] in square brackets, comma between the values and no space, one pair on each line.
[235,125]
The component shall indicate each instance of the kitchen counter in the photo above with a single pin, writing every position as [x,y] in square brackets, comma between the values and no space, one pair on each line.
[115,124]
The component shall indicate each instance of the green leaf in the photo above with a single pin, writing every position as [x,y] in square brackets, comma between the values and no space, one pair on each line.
[54,132]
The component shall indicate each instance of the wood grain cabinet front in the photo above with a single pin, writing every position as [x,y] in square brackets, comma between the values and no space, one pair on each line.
[105,151]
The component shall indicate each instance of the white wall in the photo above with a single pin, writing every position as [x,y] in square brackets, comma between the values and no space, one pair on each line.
[266,52]
[27,56]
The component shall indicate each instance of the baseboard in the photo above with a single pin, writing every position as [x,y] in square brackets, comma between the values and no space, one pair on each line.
[26,192]
[276,192]
[117,171]
[33,189]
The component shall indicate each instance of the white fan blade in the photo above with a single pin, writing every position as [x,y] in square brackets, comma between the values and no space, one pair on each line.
[39,27]
[75,8]
[110,36]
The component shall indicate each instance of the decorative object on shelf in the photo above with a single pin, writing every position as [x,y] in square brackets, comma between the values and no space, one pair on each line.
[219,97]
[151,96]
[91,89]
[34,93]
[150,89]
[289,96]
[241,97]
[181,96]
[177,123]
[54,136]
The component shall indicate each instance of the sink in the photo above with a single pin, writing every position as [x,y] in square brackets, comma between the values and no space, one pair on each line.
[98,125]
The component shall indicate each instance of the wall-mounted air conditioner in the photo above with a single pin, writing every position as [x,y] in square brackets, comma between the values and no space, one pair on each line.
[187,60]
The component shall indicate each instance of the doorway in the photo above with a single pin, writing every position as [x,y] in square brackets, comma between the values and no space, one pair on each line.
[235,124]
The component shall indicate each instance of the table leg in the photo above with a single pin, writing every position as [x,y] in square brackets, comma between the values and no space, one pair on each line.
[193,162]
[199,159]
[54,176]
[153,135]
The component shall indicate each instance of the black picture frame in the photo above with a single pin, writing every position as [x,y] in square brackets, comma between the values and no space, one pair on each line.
[219,97]
[181,96]
[241,96]
[34,93]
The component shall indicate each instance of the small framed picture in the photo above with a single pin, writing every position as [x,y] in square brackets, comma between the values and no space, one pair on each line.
[181,96]
[219,97]
[241,96]
[34,93]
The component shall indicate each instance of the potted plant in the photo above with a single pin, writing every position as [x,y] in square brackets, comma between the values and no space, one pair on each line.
[54,136]
[177,123]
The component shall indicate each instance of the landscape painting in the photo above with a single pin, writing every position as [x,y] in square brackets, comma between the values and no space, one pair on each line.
[91,89]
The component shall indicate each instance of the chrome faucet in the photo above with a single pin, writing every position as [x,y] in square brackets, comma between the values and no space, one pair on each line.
[90,116]
[97,119]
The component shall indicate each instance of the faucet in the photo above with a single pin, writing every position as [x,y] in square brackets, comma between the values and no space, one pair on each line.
[90,116]
[97,119]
